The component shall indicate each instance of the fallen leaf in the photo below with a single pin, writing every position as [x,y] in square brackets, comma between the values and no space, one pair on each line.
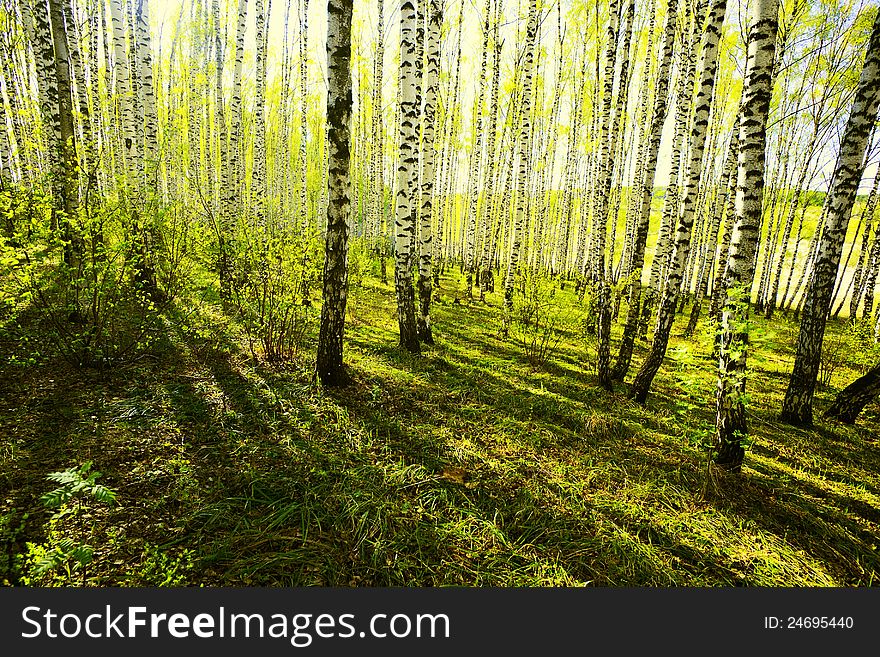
[456,475]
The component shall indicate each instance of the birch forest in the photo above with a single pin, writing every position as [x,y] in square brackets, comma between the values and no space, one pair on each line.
[439,292]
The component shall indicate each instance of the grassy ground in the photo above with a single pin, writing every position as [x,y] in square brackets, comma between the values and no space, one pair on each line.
[477,464]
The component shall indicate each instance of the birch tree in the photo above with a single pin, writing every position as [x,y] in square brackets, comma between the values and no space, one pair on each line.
[671,199]
[66,185]
[600,219]
[703,101]
[339,101]
[850,401]
[476,159]
[730,421]
[658,118]
[523,148]
[719,204]
[797,407]
[258,183]
[407,168]
[147,98]
[431,82]
[148,152]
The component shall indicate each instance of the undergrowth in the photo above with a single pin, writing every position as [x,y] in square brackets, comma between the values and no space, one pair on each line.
[478,464]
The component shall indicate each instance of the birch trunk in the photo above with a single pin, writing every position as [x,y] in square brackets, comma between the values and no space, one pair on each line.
[600,217]
[850,401]
[730,423]
[658,118]
[672,198]
[703,101]
[66,185]
[717,214]
[432,79]
[258,183]
[797,407]
[864,262]
[523,147]
[339,101]
[476,159]
[405,202]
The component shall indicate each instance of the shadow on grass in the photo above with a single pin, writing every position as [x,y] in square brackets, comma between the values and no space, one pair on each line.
[468,466]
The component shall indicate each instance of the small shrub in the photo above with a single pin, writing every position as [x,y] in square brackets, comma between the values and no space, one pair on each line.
[58,559]
[833,356]
[537,321]
[163,568]
[851,346]
[270,293]
[864,351]
[101,302]
[359,265]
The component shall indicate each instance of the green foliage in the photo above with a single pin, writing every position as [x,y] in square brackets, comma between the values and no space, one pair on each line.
[538,321]
[172,248]
[44,561]
[157,566]
[833,356]
[864,351]
[271,292]
[99,297]
[467,466]
[11,529]
[689,380]
[851,345]
[77,482]
[60,557]
[359,265]
[162,568]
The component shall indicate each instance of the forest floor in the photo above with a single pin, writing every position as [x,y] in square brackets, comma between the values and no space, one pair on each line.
[479,463]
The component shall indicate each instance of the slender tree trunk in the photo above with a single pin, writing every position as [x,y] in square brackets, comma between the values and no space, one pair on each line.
[47,88]
[723,251]
[672,196]
[339,101]
[523,148]
[148,91]
[87,129]
[600,218]
[658,118]
[852,400]
[797,407]
[730,423]
[872,269]
[812,247]
[859,277]
[474,186]
[233,171]
[258,182]
[406,174]
[66,186]
[305,216]
[786,235]
[222,164]
[432,79]
[147,231]
[5,152]
[380,221]
[666,312]
[717,214]
[483,271]
[618,158]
